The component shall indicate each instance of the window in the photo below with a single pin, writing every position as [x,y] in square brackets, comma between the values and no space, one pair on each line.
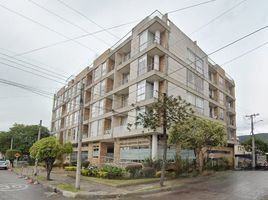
[221,81]
[141,90]
[96,91]
[197,102]
[195,82]
[221,98]
[125,78]
[95,152]
[76,115]
[142,68]
[101,107]
[103,69]
[221,114]
[94,128]
[143,40]
[97,73]
[196,62]
[102,88]
[97,128]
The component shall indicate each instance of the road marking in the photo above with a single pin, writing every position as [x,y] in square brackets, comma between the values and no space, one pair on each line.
[12,187]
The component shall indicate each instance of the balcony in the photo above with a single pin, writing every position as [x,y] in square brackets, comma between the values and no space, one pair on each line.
[120,129]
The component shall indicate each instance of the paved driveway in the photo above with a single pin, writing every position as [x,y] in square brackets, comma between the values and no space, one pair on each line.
[231,185]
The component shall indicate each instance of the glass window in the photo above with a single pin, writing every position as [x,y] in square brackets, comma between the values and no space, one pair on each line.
[100,127]
[141,90]
[143,40]
[199,84]
[96,91]
[97,73]
[140,111]
[102,87]
[95,152]
[142,66]
[191,98]
[94,128]
[94,109]
[101,107]
[221,98]
[221,114]
[103,69]
[190,78]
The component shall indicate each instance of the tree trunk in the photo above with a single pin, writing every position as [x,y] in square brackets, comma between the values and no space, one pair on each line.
[49,166]
[201,161]
[163,169]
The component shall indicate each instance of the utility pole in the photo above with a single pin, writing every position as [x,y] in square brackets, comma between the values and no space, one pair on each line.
[79,135]
[251,117]
[11,143]
[38,138]
[163,168]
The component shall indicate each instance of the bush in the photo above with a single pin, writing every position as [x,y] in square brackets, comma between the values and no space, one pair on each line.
[134,170]
[147,172]
[103,174]
[218,164]
[156,164]
[70,168]
[85,172]
[158,174]
[85,164]
[112,171]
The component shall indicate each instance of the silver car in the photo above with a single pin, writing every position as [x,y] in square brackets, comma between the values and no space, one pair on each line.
[4,164]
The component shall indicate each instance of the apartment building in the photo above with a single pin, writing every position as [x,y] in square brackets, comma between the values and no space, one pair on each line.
[156,57]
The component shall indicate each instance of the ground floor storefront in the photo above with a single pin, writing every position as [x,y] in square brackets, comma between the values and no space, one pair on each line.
[137,149]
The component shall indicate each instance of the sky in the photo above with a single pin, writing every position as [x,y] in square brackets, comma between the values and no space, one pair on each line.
[33,27]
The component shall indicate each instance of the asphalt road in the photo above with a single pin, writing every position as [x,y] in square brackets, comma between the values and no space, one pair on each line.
[231,185]
[14,188]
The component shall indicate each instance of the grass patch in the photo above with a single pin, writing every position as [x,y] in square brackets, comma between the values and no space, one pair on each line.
[67,187]
[120,182]
[40,178]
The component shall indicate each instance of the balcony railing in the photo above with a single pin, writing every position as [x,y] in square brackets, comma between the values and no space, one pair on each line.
[120,129]
[108,132]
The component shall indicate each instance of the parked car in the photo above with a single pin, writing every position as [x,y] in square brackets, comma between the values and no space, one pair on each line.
[4,164]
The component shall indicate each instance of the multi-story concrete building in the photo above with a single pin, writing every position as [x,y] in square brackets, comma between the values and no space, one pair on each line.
[157,57]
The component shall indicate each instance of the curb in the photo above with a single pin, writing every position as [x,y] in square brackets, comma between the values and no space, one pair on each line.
[88,195]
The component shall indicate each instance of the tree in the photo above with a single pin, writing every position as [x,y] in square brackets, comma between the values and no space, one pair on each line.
[48,150]
[4,142]
[23,137]
[10,155]
[261,146]
[167,111]
[200,135]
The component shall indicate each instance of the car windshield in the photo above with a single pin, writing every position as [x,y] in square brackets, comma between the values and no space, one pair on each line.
[2,161]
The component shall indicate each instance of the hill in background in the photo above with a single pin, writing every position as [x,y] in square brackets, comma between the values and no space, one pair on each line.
[263,136]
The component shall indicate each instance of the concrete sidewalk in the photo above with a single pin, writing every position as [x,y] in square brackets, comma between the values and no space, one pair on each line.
[91,189]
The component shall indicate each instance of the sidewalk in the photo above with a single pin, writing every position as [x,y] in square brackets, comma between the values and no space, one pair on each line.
[103,188]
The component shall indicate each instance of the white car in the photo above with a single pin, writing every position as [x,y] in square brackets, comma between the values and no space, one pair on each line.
[4,164]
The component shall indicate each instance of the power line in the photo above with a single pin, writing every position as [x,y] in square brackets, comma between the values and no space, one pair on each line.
[247,52]
[67,21]
[191,6]
[43,72]
[15,67]
[46,27]
[87,18]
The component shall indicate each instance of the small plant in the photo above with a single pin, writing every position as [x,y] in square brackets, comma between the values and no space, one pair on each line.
[134,170]
[70,168]
[85,172]
[147,172]
[112,171]
[66,164]
[149,162]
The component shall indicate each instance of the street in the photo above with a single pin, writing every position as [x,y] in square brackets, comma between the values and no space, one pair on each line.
[231,185]
[14,188]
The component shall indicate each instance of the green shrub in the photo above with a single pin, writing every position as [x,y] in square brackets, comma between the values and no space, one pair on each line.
[70,168]
[84,172]
[94,172]
[156,164]
[85,164]
[103,174]
[112,171]
[134,170]
[147,172]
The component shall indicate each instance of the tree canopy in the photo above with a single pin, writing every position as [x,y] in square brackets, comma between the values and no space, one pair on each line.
[198,134]
[47,150]
[261,146]
[23,137]
[167,111]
